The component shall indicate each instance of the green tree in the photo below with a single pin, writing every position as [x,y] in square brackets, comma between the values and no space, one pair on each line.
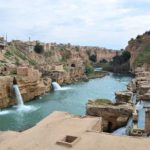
[89,69]
[93,58]
[38,48]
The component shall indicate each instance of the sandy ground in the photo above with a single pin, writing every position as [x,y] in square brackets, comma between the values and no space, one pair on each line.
[59,124]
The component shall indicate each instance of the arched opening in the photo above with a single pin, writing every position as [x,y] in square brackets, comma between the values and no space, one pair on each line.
[5,69]
[109,127]
[73,65]
[14,81]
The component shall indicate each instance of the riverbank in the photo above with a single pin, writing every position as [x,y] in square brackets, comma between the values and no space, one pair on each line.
[59,124]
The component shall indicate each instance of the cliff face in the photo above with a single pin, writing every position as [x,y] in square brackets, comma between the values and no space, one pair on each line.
[57,53]
[30,85]
[5,96]
[140,50]
[35,71]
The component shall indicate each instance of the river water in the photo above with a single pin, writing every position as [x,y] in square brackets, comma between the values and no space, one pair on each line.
[72,99]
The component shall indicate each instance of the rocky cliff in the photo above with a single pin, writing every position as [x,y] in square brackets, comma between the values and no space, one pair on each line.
[30,84]
[35,71]
[140,50]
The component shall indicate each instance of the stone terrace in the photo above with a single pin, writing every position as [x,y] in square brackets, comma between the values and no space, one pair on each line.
[56,126]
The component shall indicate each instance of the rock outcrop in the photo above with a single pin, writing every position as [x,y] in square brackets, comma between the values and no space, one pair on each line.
[29,82]
[5,92]
[123,96]
[140,51]
[114,116]
[64,63]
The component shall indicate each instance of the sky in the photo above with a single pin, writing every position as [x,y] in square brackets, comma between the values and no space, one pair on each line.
[103,23]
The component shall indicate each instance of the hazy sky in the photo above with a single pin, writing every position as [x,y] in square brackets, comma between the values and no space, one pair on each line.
[104,23]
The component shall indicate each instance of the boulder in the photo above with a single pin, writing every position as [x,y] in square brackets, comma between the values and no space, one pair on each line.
[132,86]
[143,88]
[114,116]
[123,96]
[30,84]
[146,96]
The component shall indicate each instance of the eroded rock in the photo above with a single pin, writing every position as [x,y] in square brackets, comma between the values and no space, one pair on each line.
[114,116]
[123,96]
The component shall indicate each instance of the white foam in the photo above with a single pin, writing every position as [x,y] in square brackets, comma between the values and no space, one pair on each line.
[4,112]
[139,105]
[25,108]
[57,87]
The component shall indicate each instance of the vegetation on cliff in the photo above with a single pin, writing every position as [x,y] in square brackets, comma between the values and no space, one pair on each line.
[140,50]
[143,57]
[38,48]
[119,64]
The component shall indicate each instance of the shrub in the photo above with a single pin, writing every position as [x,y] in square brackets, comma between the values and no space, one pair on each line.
[123,58]
[32,62]
[17,61]
[103,61]
[89,69]
[93,58]
[38,48]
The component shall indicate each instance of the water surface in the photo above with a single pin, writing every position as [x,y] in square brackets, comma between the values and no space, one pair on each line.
[72,100]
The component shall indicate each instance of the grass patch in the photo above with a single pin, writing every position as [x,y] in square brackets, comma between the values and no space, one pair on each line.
[101,102]
[13,72]
[96,74]
[8,54]
[32,62]
[143,57]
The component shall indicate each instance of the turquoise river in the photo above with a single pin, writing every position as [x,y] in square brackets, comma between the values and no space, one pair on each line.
[72,99]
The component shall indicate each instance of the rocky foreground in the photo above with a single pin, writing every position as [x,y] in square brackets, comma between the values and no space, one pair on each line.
[113,115]
[46,134]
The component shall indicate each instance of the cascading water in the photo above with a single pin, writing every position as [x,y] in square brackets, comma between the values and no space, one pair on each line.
[134,98]
[20,104]
[120,131]
[18,96]
[139,105]
[57,87]
[124,130]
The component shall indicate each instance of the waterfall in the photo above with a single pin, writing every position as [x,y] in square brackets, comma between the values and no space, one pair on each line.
[139,105]
[133,98]
[57,87]
[18,95]
[124,130]
[120,131]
